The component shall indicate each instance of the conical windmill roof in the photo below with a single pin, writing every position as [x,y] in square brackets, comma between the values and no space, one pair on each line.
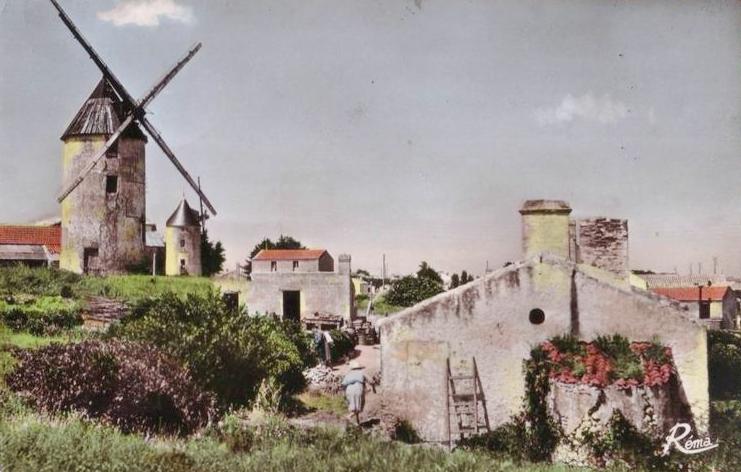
[184,216]
[101,114]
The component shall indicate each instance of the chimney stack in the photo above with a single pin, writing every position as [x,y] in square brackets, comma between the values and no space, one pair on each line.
[545,228]
[343,266]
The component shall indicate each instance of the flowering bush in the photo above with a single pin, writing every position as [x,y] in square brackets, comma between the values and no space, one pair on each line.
[132,386]
[608,360]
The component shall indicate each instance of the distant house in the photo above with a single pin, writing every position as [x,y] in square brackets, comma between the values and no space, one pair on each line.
[30,245]
[300,284]
[715,306]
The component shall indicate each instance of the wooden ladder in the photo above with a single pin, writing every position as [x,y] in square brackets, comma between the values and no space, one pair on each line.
[463,404]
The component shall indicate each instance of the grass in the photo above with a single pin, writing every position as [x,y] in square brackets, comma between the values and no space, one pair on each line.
[29,341]
[323,402]
[380,306]
[135,287]
[31,442]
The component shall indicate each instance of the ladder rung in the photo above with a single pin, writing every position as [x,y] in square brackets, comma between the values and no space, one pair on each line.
[462,377]
[463,396]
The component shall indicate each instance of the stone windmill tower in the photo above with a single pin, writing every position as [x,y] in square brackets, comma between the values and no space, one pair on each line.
[103,220]
[103,201]
[183,241]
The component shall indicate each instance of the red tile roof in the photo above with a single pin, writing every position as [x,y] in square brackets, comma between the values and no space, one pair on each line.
[289,254]
[49,236]
[692,294]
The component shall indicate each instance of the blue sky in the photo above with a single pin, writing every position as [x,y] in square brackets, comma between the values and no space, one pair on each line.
[414,129]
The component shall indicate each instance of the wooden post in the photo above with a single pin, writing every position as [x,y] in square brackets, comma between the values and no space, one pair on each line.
[154,262]
[475,398]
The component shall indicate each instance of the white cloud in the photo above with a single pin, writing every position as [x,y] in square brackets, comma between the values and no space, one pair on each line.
[601,109]
[146,12]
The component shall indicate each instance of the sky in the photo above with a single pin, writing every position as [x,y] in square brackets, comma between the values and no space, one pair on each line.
[411,128]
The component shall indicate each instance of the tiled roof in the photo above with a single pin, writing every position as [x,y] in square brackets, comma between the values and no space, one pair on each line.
[289,254]
[678,281]
[692,294]
[49,236]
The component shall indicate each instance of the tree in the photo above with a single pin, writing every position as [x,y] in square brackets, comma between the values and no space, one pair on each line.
[427,272]
[454,281]
[410,290]
[465,278]
[212,256]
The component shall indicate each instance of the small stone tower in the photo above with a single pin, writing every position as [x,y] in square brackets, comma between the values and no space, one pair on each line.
[545,228]
[183,242]
[103,218]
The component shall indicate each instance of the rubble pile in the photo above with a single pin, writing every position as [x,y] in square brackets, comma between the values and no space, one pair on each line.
[322,378]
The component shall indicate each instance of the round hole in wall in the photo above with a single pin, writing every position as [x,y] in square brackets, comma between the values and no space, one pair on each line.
[537,316]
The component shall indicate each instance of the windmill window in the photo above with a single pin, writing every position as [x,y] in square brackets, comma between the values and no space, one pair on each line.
[182,243]
[112,152]
[111,184]
[295,266]
[273,266]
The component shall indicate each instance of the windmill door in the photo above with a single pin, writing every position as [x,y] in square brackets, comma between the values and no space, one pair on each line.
[90,260]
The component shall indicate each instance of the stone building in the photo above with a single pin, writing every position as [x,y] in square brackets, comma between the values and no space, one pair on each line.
[573,280]
[103,219]
[715,306]
[183,241]
[301,283]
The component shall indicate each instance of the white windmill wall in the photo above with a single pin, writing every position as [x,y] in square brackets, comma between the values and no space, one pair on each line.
[112,223]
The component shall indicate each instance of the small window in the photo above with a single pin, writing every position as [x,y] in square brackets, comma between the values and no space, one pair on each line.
[273,266]
[182,262]
[704,310]
[182,243]
[295,266]
[112,152]
[111,184]
[537,316]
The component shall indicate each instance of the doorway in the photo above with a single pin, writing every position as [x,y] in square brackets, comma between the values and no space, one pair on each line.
[292,305]
[90,260]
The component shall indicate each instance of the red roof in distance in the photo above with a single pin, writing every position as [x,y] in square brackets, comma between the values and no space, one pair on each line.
[289,254]
[49,236]
[692,294]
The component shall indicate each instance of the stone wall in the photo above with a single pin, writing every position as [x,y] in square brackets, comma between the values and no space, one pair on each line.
[189,251]
[489,320]
[92,218]
[323,292]
[603,243]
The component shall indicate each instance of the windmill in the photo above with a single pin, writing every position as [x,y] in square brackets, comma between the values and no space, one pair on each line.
[112,115]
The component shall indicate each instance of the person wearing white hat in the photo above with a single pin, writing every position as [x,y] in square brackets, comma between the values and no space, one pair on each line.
[354,383]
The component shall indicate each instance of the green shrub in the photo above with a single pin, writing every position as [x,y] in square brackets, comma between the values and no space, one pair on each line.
[626,363]
[343,344]
[132,386]
[44,315]
[724,365]
[506,440]
[40,281]
[228,353]
[411,290]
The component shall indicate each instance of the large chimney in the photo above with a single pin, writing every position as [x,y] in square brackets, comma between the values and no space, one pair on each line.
[603,243]
[344,264]
[545,228]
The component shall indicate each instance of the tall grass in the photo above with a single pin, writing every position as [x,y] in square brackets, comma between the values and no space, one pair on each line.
[32,443]
[136,287]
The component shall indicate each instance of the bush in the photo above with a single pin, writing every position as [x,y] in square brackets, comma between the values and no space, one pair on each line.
[132,386]
[724,365]
[228,353]
[39,281]
[411,290]
[343,344]
[45,315]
